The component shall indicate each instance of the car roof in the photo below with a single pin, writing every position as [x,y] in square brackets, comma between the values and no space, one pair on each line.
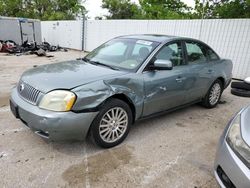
[160,38]
[150,37]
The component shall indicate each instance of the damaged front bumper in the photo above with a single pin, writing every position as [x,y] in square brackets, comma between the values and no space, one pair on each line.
[51,125]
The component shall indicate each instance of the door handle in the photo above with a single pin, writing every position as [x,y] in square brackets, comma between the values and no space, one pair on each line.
[180,79]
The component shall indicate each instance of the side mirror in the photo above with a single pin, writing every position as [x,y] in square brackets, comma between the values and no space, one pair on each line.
[161,64]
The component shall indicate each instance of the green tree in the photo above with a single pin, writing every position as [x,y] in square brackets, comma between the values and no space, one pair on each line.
[204,9]
[42,9]
[222,9]
[176,9]
[147,9]
[120,9]
[164,9]
[233,9]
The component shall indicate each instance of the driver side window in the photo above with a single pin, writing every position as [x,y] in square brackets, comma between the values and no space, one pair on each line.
[172,52]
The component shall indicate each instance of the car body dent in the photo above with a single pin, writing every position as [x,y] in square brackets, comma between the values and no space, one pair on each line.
[94,94]
[161,87]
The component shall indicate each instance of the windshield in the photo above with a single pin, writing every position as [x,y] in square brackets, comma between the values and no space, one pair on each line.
[123,53]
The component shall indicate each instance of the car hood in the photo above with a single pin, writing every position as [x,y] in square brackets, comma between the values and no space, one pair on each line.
[245,124]
[66,75]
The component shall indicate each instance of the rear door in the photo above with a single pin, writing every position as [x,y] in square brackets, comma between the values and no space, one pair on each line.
[27,31]
[200,70]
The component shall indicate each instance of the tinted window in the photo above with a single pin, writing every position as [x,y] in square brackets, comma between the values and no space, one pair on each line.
[195,53]
[211,55]
[172,52]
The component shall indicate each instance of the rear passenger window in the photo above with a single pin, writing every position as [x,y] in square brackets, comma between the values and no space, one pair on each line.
[211,55]
[195,53]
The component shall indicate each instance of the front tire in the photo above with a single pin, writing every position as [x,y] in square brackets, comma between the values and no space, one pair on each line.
[112,124]
[213,95]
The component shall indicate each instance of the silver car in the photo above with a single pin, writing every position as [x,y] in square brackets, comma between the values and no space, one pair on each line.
[126,79]
[232,161]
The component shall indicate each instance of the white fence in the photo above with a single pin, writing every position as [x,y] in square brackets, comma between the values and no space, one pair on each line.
[63,33]
[230,38]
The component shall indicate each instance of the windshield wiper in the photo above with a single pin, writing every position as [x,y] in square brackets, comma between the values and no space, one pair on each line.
[85,59]
[98,63]
[102,64]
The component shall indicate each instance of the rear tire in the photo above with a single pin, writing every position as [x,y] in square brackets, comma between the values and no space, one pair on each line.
[213,95]
[112,124]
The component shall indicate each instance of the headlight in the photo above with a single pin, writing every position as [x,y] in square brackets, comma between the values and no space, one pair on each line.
[236,141]
[58,100]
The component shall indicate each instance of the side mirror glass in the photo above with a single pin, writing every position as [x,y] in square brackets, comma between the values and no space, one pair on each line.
[161,64]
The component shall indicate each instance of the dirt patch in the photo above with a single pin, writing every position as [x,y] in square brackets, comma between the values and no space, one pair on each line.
[4,99]
[97,166]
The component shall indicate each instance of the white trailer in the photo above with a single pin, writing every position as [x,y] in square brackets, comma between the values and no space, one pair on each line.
[20,30]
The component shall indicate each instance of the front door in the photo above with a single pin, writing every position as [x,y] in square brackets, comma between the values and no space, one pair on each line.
[166,89]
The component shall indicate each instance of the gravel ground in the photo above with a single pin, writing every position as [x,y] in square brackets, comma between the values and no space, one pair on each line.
[172,150]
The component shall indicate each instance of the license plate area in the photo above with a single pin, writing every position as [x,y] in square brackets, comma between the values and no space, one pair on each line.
[14,109]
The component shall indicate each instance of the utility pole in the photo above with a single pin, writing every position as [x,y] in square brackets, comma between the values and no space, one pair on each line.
[83,30]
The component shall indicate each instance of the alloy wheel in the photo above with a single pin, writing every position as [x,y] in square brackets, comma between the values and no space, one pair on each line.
[215,94]
[113,124]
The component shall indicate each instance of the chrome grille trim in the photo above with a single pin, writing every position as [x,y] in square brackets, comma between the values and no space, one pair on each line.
[27,92]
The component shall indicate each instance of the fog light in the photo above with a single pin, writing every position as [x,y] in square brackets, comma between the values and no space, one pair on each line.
[224,178]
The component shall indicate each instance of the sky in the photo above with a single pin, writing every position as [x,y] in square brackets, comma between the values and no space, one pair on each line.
[94,7]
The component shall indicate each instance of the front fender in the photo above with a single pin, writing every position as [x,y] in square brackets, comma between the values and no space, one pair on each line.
[131,87]
[92,95]
[89,96]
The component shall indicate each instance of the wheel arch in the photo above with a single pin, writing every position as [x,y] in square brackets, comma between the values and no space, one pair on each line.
[121,97]
[222,81]
[125,99]
[212,82]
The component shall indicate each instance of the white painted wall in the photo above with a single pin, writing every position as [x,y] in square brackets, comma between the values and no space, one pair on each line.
[63,33]
[230,38]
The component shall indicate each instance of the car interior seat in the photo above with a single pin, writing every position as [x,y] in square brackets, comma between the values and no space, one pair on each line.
[143,53]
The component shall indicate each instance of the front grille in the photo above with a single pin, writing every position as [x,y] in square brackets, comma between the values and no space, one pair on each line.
[27,92]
